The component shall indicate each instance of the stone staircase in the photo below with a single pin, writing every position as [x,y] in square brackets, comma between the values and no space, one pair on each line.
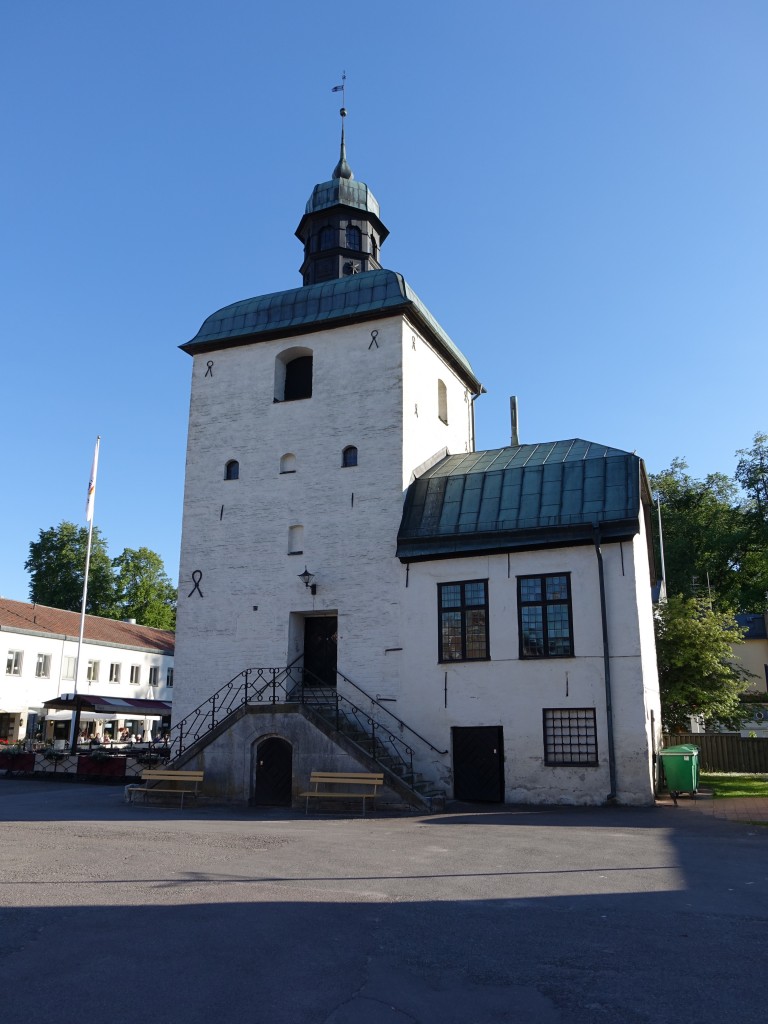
[371,734]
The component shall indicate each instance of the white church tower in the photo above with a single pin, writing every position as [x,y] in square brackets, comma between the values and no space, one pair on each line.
[310,410]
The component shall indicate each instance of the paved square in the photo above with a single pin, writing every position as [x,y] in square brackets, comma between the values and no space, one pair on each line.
[566,916]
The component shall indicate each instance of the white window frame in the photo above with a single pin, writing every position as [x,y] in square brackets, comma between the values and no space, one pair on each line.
[114,671]
[14,663]
[135,675]
[154,676]
[43,666]
[92,671]
[68,667]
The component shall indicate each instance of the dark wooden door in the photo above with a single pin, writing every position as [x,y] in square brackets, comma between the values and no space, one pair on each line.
[478,763]
[320,648]
[273,773]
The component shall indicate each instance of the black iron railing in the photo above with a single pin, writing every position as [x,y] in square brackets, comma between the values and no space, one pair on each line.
[362,726]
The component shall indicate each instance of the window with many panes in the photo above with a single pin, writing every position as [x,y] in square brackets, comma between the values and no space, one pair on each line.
[544,614]
[114,672]
[463,609]
[570,736]
[13,663]
[135,675]
[43,666]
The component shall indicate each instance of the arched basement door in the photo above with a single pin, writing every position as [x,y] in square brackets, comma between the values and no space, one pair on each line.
[273,773]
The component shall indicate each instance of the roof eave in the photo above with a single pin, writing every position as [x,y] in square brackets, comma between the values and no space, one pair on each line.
[406,308]
[464,545]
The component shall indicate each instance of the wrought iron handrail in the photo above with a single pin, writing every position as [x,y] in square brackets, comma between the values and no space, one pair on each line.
[295,684]
[400,722]
[229,698]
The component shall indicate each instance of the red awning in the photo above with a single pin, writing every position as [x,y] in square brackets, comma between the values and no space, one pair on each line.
[109,705]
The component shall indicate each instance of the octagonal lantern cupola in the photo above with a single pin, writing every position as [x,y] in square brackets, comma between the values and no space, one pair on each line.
[340,229]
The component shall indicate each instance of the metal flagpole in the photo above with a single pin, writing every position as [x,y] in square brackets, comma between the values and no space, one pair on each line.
[90,501]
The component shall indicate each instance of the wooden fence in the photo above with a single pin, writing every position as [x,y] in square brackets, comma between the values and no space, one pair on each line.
[724,752]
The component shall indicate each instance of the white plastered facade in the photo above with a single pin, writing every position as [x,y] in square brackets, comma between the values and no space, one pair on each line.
[375,385]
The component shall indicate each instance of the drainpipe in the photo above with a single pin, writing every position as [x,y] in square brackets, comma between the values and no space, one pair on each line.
[606,665]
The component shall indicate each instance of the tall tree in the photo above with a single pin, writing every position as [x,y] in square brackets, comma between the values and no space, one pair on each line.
[752,474]
[56,565]
[710,537]
[143,590]
[697,676]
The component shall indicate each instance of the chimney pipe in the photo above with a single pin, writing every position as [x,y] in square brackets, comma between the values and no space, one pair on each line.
[513,417]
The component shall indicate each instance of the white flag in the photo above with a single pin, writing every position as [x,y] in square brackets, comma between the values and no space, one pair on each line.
[92,483]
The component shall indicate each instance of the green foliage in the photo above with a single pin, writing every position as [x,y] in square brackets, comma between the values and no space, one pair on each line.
[696,672]
[714,534]
[133,586]
[752,475]
[143,590]
[56,565]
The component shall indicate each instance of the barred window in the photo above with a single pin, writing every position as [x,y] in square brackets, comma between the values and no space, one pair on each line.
[463,620]
[544,614]
[570,736]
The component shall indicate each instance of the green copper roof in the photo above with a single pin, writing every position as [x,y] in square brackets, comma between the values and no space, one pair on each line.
[344,191]
[521,497]
[317,307]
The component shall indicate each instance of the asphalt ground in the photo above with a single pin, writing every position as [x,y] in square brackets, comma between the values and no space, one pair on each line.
[543,916]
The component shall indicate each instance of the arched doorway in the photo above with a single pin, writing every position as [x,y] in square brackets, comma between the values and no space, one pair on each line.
[273,772]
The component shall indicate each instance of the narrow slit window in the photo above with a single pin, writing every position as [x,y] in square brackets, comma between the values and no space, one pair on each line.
[442,402]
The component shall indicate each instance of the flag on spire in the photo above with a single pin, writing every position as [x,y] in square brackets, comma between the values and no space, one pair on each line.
[92,483]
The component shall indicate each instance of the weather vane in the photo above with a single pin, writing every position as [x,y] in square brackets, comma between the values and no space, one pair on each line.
[343,90]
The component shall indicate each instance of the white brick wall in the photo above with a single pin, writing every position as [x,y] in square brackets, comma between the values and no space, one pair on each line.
[236,532]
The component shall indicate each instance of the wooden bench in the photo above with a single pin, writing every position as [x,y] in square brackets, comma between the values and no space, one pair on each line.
[356,784]
[166,780]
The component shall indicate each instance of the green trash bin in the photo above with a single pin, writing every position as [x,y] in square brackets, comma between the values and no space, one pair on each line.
[681,769]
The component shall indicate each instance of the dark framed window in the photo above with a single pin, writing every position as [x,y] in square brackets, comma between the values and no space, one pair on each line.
[232,470]
[329,238]
[570,736]
[354,238]
[463,609]
[298,379]
[349,456]
[544,616]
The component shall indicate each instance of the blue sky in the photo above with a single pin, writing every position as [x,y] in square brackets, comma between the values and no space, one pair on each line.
[575,188]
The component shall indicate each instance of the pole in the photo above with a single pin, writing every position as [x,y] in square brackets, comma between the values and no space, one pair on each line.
[89,516]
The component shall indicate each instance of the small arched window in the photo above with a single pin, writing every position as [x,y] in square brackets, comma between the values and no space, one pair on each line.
[329,237]
[232,470]
[288,463]
[349,456]
[354,238]
[295,540]
[442,401]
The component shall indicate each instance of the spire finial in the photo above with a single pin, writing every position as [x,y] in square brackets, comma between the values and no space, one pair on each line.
[342,168]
